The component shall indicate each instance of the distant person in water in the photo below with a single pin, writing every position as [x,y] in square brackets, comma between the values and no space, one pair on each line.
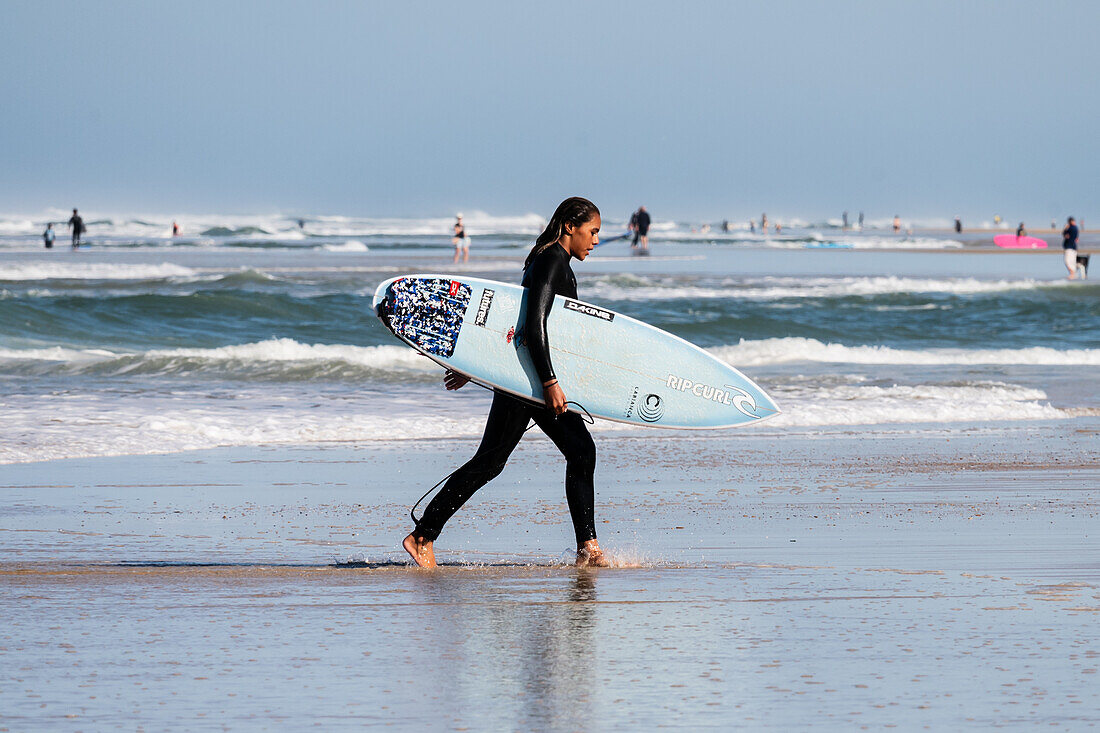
[1069,246]
[897,223]
[725,225]
[845,218]
[460,240]
[641,230]
[76,223]
[48,236]
[764,223]
[301,224]
[175,229]
[778,227]
[861,221]
[1021,231]
[573,231]
[958,225]
[752,226]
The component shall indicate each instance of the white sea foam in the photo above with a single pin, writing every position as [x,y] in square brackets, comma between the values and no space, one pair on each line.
[47,427]
[128,421]
[157,227]
[275,227]
[352,245]
[243,359]
[401,360]
[57,354]
[637,288]
[92,271]
[790,350]
[375,357]
[865,243]
[854,404]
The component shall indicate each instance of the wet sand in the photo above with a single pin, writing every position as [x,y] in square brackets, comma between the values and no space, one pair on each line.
[910,576]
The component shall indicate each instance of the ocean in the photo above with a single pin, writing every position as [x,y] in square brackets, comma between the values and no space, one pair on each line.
[209,447]
[251,330]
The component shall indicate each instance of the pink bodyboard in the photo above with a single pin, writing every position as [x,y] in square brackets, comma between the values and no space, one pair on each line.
[1011,241]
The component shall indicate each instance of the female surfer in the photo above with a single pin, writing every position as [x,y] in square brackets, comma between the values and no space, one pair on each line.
[572,232]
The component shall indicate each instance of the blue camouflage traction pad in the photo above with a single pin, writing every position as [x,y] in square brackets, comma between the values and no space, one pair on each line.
[428,312]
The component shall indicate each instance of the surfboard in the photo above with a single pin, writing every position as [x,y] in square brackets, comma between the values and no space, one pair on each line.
[829,245]
[618,368]
[617,237]
[1011,241]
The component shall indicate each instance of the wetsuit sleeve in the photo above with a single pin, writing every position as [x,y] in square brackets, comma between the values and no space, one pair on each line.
[540,299]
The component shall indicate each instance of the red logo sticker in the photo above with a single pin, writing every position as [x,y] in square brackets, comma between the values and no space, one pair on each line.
[455,285]
[511,334]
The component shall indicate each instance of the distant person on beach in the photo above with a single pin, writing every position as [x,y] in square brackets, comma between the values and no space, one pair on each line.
[573,231]
[48,236]
[641,230]
[897,223]
[861,221]
[997,220]
[1021,231]
[958,225]
[76,223]
[764,223]
[1053,225]
[1069,246]
[460,241]
[175,229]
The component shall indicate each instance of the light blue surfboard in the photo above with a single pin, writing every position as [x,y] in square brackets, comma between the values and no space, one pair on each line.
[618,368]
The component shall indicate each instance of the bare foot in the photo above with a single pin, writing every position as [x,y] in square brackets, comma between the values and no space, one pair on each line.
[420,550]
[589,555]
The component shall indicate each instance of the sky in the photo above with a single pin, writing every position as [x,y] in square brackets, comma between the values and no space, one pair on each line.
[704,110]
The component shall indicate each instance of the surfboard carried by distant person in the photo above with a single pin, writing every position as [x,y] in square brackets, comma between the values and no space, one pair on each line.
[617,367]
[829,245]
[1011,241]
[616,238]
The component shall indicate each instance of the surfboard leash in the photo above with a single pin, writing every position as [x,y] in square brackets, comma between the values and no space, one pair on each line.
[412,512]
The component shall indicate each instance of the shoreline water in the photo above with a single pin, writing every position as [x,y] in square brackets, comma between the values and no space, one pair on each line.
[851,579]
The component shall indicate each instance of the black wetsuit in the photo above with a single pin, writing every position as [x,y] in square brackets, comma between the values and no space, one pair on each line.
[77,223]
[643,223]
[548,275]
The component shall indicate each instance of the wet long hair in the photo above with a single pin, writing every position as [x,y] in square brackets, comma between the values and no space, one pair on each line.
[575,211]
